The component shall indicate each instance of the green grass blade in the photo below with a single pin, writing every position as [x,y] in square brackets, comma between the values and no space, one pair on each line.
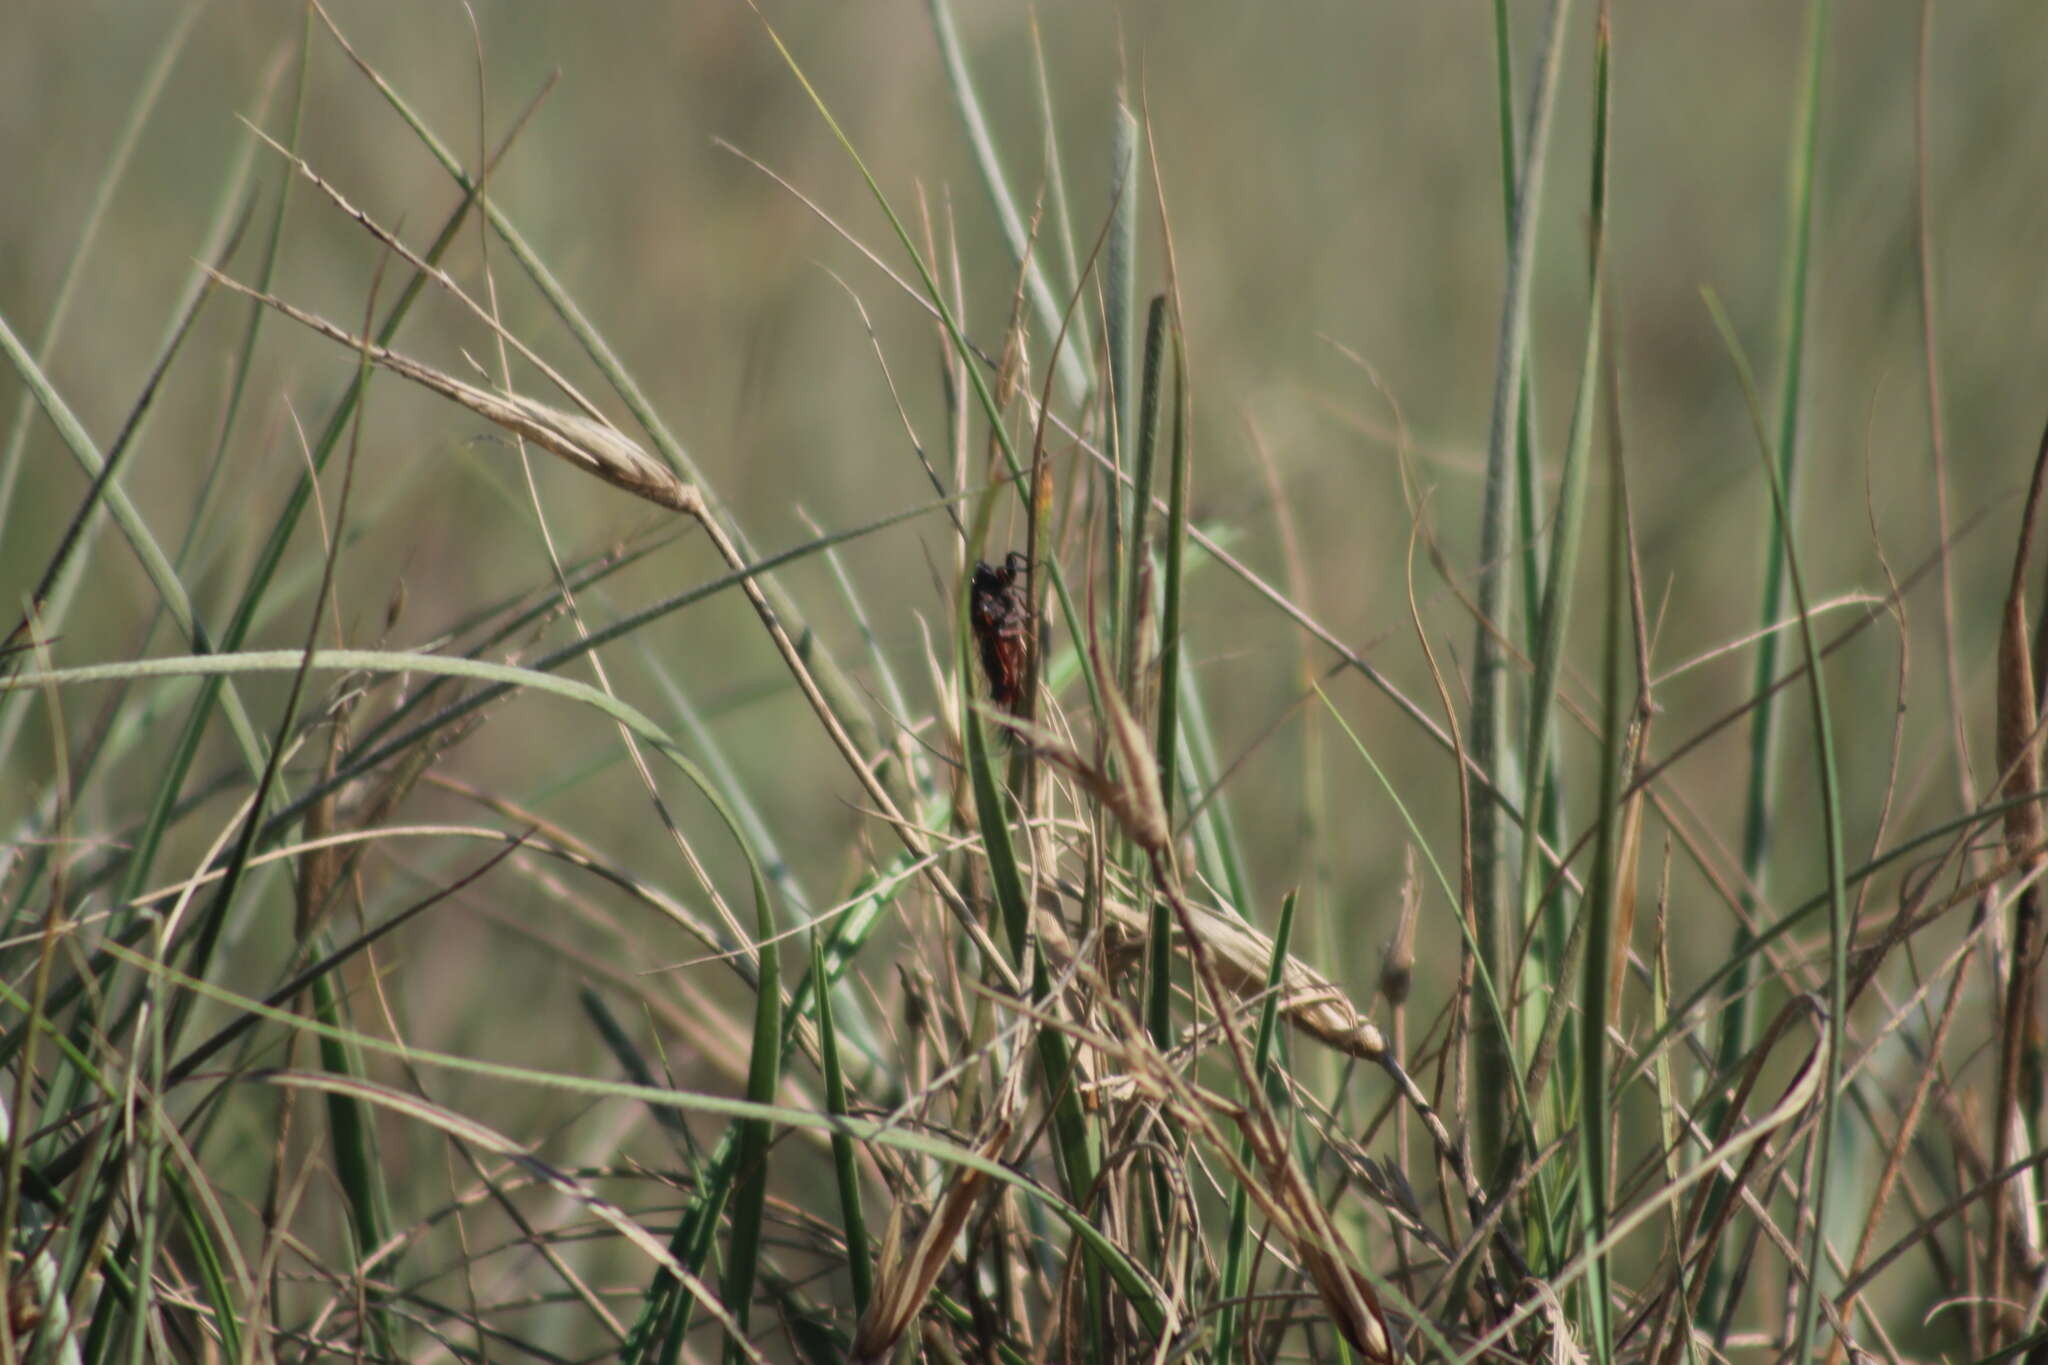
[859,1268]
[1492,1049]
[1167,741]
[262,573]
[1137,584]
[1739,1015]
[1055,180]
[1075,379]
[764,1076]
[1549,621]
[1816,1210]
[155,563]
[1593,1081]
[1146,1296]
[140,110]
[358,1166]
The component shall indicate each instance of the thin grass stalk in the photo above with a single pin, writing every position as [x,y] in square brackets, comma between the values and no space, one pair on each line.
[62,577]
[1525,461]
[1492,1045]
[1815,1207]
[1120,330]
[1739,1011]
[51,601]
[2018,737]
[1055,179]
[265,566]
[351,1130]
[1137,585]
[1077,1140]
[53,1336]
[1237,1249]
[266,272]
[764,1076]
[358,1166]
[847,701]
[207,1239]
[1218,851]
[163,577]
[142,1120]
[1076,379]
[1140,591]
[1553,622]
[140,110]
[16,1129]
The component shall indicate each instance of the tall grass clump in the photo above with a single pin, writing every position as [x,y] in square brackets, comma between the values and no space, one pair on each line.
[487,879]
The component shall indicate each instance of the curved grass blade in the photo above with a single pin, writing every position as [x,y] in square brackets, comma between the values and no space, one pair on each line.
[1813,1281]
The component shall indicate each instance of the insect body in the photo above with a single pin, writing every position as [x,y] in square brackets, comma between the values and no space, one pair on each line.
[1001,615]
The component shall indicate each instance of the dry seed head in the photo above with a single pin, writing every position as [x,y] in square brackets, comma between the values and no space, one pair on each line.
[1397,959]
[595,447]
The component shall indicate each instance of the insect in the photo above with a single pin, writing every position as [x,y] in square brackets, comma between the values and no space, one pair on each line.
[1000,612]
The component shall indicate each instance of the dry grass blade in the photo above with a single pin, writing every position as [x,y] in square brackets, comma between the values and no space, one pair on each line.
[2019,746]
[2019,759]
[903,1282]
[468,1131]
[1309,1000]
[589,445]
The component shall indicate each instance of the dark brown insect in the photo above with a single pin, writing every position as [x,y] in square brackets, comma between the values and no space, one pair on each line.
[1001,615]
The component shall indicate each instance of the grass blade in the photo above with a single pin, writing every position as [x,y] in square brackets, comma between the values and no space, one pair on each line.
[1493,1049]
[1739,1014]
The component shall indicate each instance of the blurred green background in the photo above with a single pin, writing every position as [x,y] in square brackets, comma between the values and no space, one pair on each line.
[1332,176]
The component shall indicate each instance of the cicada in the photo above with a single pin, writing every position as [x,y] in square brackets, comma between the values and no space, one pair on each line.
[1000,612]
